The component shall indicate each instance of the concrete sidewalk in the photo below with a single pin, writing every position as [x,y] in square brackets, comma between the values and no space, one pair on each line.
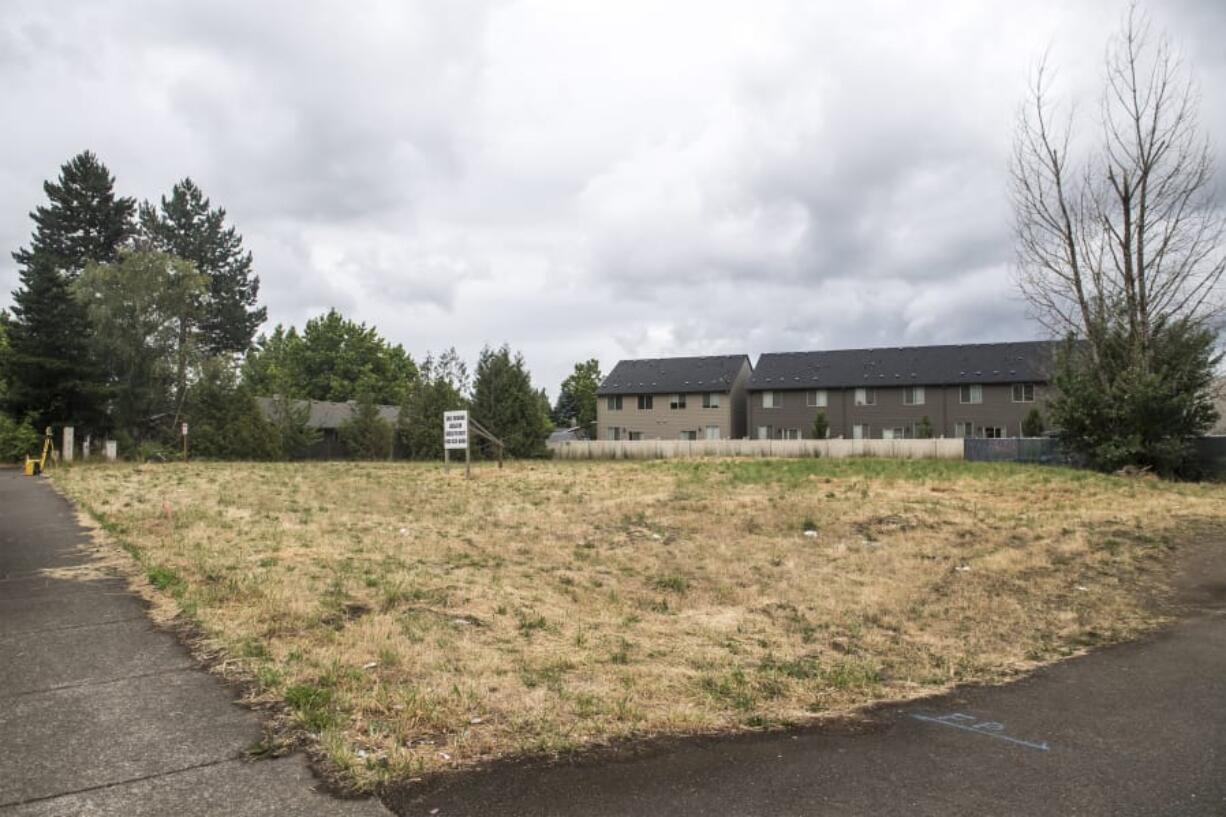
[100,713]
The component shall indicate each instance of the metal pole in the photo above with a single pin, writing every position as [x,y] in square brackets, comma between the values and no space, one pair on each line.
[468,473]
[446,460]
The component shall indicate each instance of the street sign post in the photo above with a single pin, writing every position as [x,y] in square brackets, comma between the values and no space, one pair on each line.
[183,430]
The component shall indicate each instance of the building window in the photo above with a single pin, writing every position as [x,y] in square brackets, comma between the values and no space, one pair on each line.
[964,429]
[689,435]
[615,433]
[636,435]
[771,399]
[913,396]
[1023,392]
[816,399]
[615,402]
[710,399]
[866,397]
[712,432]
[677,401]
[971,394]
[645,402]
[789,434]
[993,432]
[860,431]
[764,432]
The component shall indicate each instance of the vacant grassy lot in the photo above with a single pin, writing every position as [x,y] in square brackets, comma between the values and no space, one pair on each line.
[413,623]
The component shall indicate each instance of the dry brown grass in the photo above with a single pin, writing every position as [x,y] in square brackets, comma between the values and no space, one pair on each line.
[413,623]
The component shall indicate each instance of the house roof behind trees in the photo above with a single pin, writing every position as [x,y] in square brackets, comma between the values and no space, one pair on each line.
[324,414]
[1025,361]
[669,375]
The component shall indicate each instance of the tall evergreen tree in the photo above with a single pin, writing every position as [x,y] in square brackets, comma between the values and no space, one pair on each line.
[47,366]
[84,221]
[505,402]
[48,373]
[441,385]
[187,226]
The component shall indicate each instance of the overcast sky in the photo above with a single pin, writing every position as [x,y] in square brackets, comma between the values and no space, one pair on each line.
[608,179]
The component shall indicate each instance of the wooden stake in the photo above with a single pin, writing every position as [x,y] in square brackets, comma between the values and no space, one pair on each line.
[468,472]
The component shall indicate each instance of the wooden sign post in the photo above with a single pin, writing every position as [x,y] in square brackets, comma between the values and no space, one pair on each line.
[455,437]
[456,428]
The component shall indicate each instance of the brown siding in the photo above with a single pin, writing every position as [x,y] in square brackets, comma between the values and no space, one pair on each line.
[662,423]
[941,407]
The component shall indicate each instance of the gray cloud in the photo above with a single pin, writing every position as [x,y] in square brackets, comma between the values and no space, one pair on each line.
[578,179]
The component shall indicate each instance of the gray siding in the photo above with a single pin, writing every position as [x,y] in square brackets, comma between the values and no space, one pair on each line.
[941,406]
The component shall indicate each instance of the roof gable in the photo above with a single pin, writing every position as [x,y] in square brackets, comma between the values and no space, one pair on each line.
[1028,361]
[668,375]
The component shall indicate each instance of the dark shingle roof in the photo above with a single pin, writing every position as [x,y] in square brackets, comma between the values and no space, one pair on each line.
[667,375]
[325,414]
[918,365]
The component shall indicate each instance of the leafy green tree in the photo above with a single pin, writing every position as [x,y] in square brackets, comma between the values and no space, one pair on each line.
[186,225]
[332,359]
[1032,424]
[821,426]
[224,419]
[1115,410]
[366,435]
[576,403]
[85,221]
[505,402]
[137,307]
[441,386]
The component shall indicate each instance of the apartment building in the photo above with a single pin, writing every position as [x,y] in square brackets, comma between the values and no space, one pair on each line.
[686,398]
[968,390]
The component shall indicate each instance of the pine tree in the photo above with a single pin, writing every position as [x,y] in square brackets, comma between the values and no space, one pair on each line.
[187,226]
[505,402]
[47,367]
[84,221]
[441,386]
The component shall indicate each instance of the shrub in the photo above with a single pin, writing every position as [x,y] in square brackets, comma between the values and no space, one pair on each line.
[821,426]
[17,439]
[366,435]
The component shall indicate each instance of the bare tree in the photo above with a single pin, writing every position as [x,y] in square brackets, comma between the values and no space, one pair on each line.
[1124,236]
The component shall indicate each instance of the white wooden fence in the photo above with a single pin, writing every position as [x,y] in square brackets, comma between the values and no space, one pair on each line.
[944,449]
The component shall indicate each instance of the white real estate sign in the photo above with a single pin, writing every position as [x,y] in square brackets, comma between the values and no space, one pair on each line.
[455,429]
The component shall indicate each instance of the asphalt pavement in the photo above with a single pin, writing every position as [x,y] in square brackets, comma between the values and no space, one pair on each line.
[1135,729]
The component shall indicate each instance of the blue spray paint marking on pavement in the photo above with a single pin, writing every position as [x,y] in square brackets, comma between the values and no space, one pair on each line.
[992,729]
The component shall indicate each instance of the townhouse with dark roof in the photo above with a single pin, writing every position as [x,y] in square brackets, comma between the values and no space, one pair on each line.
[676,398]
[969,390]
